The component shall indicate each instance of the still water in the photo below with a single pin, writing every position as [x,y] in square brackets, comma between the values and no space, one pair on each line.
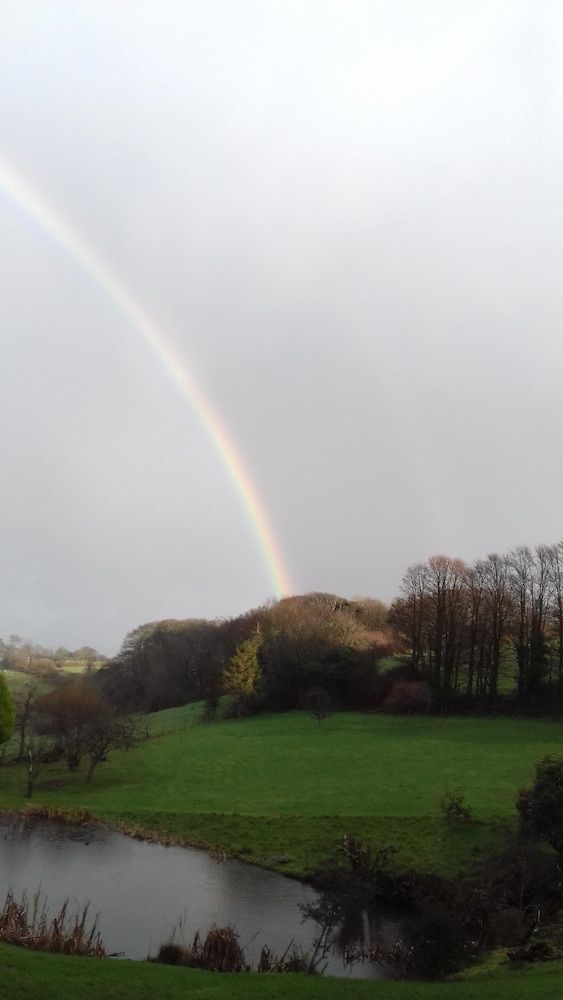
[141,891]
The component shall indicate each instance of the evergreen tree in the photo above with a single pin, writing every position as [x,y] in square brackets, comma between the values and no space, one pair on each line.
[242,675]
[7,711]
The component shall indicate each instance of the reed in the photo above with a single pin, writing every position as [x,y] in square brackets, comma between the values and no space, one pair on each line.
[221,951]
[29,924]
[78,816]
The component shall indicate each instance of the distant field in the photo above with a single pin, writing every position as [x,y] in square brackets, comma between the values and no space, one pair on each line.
[281,789]
[79,666]
[29,975]
[19,682]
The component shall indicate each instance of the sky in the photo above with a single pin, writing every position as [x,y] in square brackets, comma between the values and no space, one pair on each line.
[343,222]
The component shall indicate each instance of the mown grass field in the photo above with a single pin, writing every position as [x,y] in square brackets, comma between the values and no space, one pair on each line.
[28,975]
[280,790]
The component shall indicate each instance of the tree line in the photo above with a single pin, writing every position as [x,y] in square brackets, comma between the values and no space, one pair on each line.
[467,625]
[316,640]
[487,633]
[30,657]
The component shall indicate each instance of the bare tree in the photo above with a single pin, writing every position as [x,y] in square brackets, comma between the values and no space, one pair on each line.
[498,606]
[530,582]
[82,724]
[410,612]
[24,713]
[555,558]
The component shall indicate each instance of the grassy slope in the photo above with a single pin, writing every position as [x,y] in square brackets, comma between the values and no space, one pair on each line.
[283,786]
[36,976]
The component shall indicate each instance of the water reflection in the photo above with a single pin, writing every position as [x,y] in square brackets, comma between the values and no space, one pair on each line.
[141,890]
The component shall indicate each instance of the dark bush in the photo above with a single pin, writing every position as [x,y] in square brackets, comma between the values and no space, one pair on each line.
[243,705]
[318,703]
[541,806]
[436,946]
[408,696]
[454,809]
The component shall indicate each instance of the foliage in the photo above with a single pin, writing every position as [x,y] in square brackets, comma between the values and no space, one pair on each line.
[408,696]
[242,675]
[508,895]
[541,806]
[435,946]
[168,663]
[454,808]
[28,657]
[7,711]
[432,946]
[316,640]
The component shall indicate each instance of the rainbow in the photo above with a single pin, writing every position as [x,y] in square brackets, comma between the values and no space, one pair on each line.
[51,222]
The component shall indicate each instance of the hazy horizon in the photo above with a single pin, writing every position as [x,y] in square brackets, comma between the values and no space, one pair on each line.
[345,219]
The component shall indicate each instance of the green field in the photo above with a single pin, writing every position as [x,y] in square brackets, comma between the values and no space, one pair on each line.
[19,683]
[281,790]
[28,975]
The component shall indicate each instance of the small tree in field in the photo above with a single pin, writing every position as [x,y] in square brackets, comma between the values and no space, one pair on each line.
[241,676]
[318,704]
[7,711]
[82,724]
[24,714]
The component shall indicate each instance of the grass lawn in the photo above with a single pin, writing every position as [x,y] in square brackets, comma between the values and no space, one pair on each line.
[282,789]
[37,976]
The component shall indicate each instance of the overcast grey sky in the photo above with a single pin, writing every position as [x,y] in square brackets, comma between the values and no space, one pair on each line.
[347,217]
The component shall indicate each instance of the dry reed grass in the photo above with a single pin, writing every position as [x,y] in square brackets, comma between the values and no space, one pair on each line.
[78,816]
[28,924]
[221,951]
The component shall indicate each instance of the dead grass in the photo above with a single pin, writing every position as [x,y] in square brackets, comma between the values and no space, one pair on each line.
[28,924]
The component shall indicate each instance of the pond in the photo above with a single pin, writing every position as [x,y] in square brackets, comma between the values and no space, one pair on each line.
[142,890]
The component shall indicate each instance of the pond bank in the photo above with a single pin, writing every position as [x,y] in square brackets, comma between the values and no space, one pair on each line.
[39,976]
[143,891]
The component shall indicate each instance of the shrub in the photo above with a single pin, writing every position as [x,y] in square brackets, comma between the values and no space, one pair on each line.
[219,951]
[435,946]
[408,696]
[454,808]
[318,703]
[242,706]
[541,806]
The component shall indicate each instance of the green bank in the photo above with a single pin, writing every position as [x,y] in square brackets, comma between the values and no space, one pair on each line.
[281,790]
[37,976]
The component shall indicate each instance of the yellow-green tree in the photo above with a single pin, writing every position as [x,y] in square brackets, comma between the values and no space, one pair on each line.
[7,711]
[241,676]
